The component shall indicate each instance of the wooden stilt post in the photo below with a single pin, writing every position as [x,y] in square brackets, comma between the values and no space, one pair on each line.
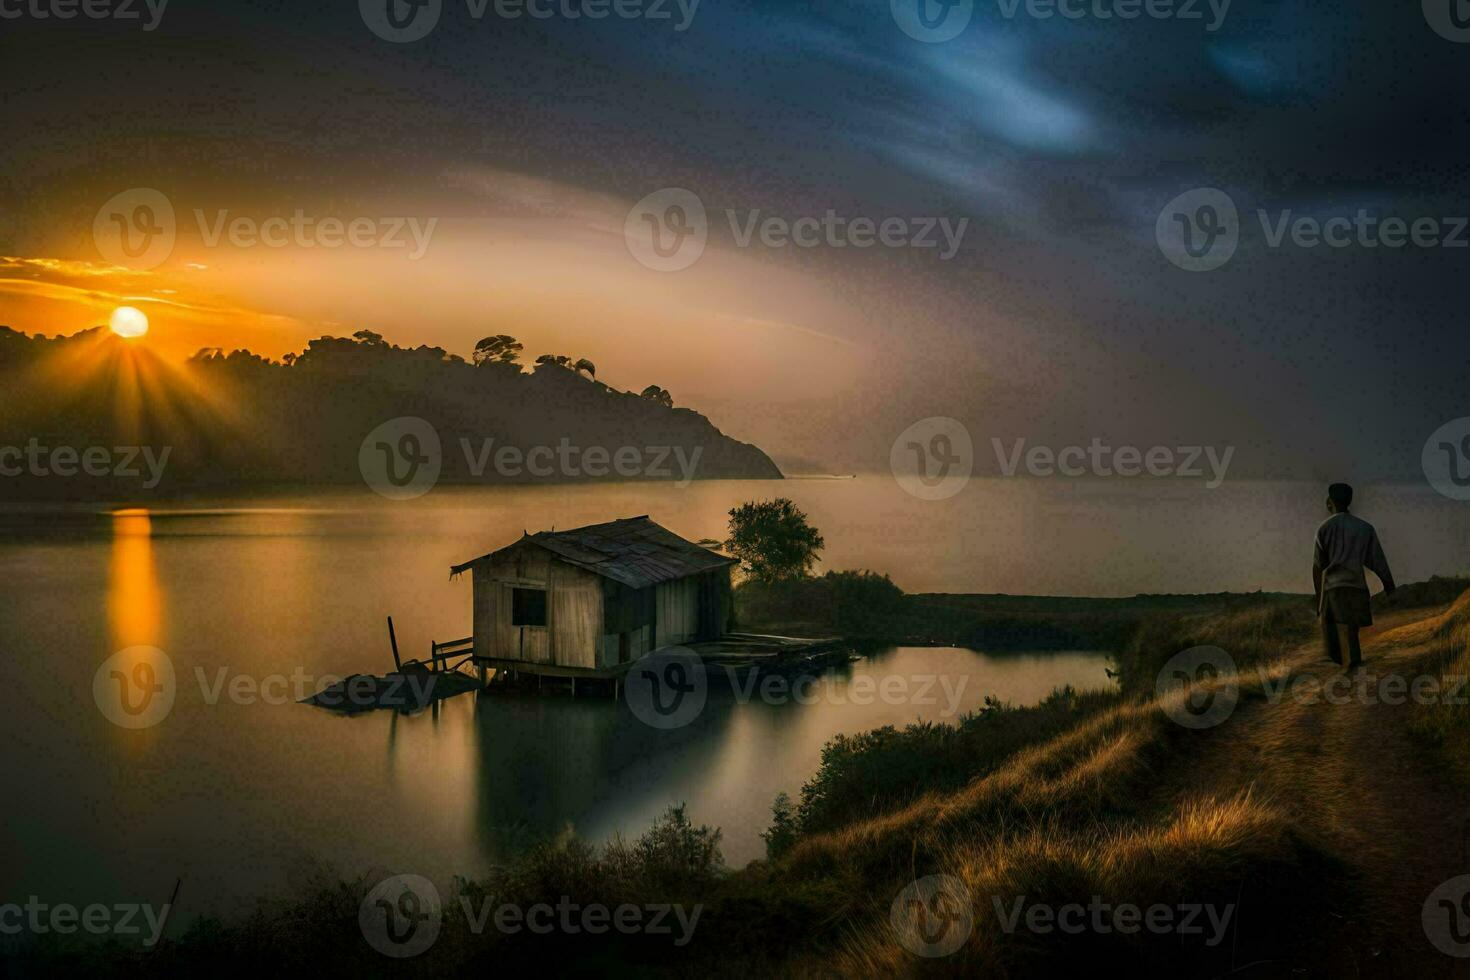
[393,641]
[574,685]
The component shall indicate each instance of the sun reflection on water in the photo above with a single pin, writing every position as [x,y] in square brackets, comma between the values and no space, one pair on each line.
[134,600]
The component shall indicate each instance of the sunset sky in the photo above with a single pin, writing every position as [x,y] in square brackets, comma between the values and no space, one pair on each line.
[527,142]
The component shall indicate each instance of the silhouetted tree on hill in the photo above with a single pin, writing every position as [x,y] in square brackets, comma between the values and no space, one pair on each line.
[660,395]
[563,361]
[499,349]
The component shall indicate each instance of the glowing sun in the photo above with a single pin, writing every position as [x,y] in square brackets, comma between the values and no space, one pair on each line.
[129,322]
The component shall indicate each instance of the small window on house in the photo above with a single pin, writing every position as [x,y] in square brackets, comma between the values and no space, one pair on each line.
[528,607]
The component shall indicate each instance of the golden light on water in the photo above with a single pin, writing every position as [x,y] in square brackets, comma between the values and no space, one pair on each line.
[135,602]
[129,322]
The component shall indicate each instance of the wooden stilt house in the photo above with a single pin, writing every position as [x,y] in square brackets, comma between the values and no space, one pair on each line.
[592,600]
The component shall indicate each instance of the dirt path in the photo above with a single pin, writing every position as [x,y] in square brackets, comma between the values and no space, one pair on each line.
[1347,767]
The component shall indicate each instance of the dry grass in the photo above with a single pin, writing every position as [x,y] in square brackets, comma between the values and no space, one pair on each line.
[1088,813]
[1253,636]
[1204,854]
[1094,768]
[1444,724]
[871,774]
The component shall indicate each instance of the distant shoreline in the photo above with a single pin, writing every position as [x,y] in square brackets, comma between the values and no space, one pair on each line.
[45,490]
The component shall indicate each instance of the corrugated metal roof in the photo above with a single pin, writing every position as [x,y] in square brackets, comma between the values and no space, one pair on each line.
[634,551]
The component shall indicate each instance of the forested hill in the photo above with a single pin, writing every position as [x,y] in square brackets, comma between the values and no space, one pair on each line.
[238,420]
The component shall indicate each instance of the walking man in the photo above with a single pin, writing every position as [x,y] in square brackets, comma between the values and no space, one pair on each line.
[1345,546]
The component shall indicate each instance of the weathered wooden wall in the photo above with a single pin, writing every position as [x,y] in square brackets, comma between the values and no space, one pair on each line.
[630,611]
[678,612]
[486,614]
[575,613]
[573,610]
[587,615]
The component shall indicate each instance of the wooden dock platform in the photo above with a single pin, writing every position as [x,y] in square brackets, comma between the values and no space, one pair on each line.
[784,654]
[416,684]
[738,650]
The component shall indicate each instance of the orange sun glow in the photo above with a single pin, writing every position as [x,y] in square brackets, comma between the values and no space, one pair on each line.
[129,322]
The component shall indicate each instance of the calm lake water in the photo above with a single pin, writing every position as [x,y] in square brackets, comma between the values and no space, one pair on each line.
[237,794]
